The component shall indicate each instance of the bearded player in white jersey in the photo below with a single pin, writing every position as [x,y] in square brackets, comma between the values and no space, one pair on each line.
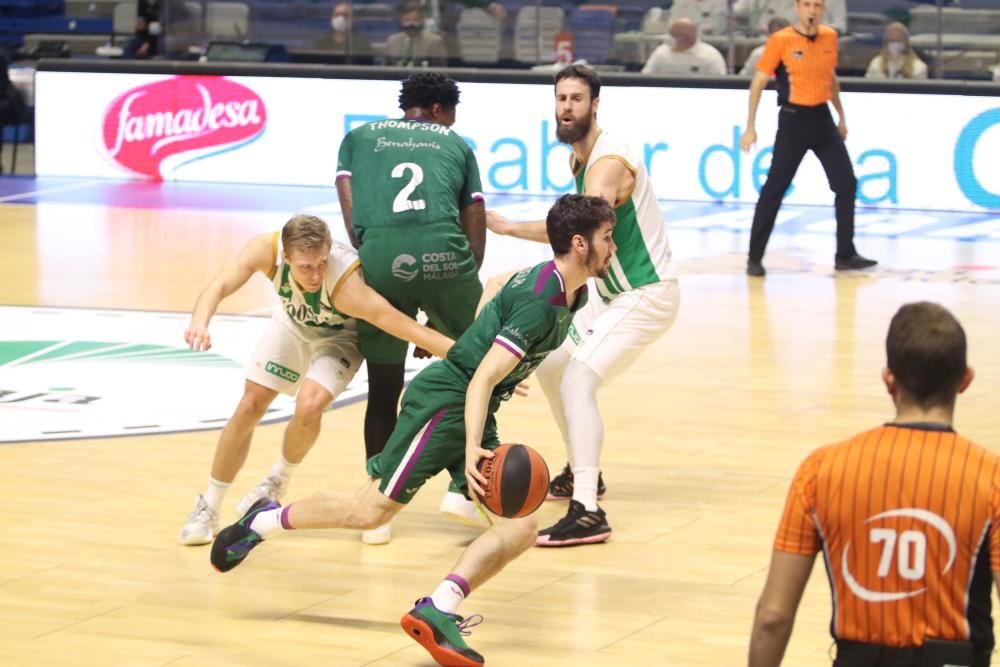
[638,302]
[309,350]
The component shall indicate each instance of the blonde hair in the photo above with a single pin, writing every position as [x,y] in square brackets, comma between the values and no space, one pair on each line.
[909,57]
[305,233]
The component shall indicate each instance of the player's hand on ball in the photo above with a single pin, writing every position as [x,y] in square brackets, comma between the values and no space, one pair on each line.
[198,338]
[474,478]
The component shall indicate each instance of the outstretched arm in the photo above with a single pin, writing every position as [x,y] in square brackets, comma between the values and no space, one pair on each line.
[357,299]
[256,255]
[529,231]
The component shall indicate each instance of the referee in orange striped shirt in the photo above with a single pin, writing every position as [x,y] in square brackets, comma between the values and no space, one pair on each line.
[907,516]
[803,58]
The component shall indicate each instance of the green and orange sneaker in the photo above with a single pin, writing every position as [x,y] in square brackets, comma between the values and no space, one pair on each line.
[441,634]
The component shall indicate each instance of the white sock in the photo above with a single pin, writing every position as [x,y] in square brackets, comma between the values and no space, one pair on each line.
[585,486]
[586,430]
[268,523]
[449,594]
[215,493]
[283,468]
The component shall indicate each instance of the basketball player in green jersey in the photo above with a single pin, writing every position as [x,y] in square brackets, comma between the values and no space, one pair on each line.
[308,350]
[411,197]
[447,423]
[638,302]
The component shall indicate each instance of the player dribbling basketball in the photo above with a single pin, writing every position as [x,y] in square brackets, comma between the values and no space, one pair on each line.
[453,402]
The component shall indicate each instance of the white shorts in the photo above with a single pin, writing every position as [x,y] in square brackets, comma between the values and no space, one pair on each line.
[284,357]
[608,337]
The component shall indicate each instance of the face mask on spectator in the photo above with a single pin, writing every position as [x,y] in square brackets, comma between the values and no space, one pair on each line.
[340,23]
[896,48]
[413,26]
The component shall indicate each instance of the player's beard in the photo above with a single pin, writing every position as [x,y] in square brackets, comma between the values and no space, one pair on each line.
[599,267]
[570,134]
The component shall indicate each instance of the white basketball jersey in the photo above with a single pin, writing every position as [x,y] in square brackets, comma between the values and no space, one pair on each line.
[314,311]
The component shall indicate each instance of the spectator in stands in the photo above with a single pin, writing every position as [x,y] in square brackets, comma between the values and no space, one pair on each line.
[338,40]
[142,44]
[996,72]
[773,26]
[443,15]
[414,45]
[708,15]
[897,59]
[688,56]
[760,13]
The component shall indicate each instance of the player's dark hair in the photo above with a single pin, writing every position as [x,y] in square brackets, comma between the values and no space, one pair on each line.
[425,89]
[585,74]
[925,350]
[572,215]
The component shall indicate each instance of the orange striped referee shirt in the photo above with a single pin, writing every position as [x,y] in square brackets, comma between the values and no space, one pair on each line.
[803,66]
[906,517]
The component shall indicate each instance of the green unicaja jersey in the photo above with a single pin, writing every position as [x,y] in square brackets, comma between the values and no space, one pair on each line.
[407,173]
[529,317]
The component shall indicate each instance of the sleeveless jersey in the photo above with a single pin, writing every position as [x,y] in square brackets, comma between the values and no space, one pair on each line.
[314,311]
[409,173]
[529,316]
[643,255]
[906,516]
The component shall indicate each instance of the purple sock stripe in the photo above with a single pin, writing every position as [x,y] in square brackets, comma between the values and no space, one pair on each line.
[462,583]
[543,276]
[396,490]
[509,347]
[285,523]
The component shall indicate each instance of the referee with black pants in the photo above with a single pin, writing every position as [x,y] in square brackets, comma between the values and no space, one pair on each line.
[803,58]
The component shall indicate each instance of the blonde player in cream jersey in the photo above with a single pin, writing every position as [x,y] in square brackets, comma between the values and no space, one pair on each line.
[308,350]
[638,302]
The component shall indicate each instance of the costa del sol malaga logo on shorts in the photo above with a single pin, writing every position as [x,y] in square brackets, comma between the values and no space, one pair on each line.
[405,267]
[155,128]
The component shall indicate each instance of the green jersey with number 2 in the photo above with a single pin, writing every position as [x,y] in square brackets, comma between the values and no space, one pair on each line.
[407,173]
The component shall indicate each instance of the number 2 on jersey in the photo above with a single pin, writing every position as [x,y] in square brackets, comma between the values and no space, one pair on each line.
[402,202]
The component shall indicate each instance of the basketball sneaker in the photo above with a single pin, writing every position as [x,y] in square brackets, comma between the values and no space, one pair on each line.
[458,508]
[202,524]
[272,486]
[441,634]
[561,486]
[579,526]
[235,542]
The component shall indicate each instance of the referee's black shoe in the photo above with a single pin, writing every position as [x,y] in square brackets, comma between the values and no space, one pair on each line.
[755,268]
[853,263]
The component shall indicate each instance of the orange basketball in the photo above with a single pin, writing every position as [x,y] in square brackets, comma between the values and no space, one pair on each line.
[517,481]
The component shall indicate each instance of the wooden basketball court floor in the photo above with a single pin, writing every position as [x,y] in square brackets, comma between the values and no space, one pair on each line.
[703,435]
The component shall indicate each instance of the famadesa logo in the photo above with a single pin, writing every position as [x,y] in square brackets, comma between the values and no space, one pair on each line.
[186,116]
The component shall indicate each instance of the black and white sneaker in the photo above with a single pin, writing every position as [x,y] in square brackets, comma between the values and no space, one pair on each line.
[561,486]
[579,526]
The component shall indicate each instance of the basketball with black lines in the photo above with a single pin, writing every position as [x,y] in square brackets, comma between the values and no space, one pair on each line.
[517,481]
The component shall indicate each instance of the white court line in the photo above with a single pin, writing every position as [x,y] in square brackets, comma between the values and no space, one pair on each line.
[45,191]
